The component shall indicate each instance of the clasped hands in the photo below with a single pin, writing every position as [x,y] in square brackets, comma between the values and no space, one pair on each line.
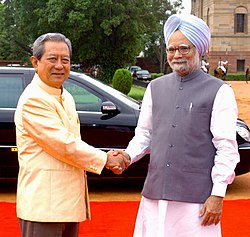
[117,161]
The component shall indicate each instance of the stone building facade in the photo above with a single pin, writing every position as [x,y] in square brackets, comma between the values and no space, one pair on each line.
[229,22]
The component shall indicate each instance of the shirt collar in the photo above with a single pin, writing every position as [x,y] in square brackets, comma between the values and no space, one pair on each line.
[44,86]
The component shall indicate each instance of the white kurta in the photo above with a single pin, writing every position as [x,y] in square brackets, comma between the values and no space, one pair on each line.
[160,218]
[223,128]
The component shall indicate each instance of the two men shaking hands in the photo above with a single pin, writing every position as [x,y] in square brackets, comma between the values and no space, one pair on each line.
[117,161]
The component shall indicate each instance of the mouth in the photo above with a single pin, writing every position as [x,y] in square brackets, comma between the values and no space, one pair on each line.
[179,62]
[57,74]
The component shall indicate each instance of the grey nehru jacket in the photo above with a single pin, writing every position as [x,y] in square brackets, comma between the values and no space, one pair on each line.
[182,152]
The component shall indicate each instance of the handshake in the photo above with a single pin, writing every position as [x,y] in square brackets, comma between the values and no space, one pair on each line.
[117,161]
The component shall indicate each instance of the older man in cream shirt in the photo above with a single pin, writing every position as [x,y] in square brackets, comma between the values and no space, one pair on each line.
[52,195]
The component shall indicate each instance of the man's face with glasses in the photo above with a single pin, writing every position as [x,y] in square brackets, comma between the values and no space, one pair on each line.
[182,55]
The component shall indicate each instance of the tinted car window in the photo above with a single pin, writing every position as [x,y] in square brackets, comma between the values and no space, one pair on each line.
[85,98]
[11,88]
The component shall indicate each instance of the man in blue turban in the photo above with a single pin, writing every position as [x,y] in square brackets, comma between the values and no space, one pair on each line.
[191,134]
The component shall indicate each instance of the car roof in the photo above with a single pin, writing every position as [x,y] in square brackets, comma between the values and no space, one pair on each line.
[16,69]
[142,71]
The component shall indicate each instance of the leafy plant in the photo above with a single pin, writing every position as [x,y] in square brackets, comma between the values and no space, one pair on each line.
[122,80]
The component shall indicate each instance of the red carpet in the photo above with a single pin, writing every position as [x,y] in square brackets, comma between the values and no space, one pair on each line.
[116,219]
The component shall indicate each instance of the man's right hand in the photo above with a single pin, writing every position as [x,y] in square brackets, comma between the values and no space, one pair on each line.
[117,161]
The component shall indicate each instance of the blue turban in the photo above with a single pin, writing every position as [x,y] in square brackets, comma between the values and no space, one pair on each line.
[192,27]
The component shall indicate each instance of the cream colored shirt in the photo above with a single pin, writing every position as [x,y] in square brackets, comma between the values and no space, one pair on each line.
[52,157]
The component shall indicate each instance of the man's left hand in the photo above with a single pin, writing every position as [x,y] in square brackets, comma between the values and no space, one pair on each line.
[212,211]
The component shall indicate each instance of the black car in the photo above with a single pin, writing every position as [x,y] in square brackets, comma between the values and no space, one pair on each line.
[142,75]
[108,117]
[108,120]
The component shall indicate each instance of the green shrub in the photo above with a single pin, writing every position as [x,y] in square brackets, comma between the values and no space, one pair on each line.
[235,77]
[122,80]
[155,75]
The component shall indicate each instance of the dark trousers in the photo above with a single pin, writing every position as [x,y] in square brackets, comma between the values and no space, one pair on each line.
[49,229]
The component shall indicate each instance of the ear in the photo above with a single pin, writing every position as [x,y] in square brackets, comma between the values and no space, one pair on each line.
[34,62]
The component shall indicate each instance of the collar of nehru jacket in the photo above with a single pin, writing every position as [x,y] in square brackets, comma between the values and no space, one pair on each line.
[192,27]
[193,75]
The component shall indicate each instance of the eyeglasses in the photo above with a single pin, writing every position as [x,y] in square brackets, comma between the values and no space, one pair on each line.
[182,48]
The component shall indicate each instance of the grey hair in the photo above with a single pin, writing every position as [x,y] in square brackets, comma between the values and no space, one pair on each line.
[38,46]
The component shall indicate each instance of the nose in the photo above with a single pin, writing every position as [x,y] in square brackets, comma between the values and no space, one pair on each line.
[177,54]
[59,64]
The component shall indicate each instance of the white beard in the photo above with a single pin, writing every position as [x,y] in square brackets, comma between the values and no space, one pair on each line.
[183,66]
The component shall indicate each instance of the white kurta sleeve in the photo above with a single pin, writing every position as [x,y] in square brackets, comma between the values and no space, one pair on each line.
[223,128]
[140,144]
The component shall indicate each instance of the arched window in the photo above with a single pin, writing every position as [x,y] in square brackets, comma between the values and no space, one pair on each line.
[240,20]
